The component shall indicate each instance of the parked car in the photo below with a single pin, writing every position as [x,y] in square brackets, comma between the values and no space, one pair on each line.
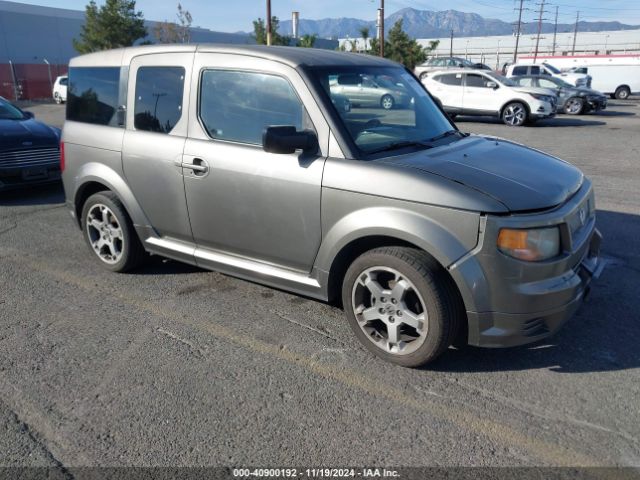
[518,69]
[60,89]
[29,149]
[235,158]
[617,81]
[370,91]
[571,100]
[483,93]
[436,64]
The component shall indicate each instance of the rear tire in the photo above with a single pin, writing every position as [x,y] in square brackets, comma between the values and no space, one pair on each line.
[622,93]
[57,98]
[109,233]
[514,114]
[401,305]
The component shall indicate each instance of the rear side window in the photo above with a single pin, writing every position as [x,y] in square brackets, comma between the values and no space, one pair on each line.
[519,71]
[450,79]
[535,70]
[238,106]
[64,81]
[525,82]
[474,80]
[92,95]
[158,105]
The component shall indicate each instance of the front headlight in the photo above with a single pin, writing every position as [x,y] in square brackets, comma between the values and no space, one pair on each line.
[581,82]
[532,245]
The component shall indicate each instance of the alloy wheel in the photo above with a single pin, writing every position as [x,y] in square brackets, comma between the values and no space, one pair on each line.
[390,310]
[515,114]
[105,233]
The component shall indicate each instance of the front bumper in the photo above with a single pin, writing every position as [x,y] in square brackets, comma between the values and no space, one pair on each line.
[540,110]
[15,178]
[496,329]
[597,104]
[511,302]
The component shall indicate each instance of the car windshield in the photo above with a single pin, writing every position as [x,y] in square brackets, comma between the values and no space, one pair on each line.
[466,62]
[9,112]
[389,110]
[501,79]
[552,68]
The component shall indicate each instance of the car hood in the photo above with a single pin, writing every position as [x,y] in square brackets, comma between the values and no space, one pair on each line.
[26,133]
[519,177]
[536,90]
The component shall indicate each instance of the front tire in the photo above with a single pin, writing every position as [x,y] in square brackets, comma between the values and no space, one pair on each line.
[622,93]
[574,106]
[401,305]
[387,102]
[514,114]
[109,233]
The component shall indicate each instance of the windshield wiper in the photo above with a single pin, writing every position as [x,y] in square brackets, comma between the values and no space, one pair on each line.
[399,145]
[446,134]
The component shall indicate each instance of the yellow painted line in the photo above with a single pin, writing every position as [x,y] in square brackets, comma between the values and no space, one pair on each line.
[551,454]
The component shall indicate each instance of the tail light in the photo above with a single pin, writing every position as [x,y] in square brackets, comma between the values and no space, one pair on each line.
[62,156]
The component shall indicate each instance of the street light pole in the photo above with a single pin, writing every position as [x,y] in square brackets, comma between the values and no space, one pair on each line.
[50,79]
[382,28]
[268,22]
[451,45]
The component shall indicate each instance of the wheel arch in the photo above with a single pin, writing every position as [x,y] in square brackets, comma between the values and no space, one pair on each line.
[95,177]
[363,231]
[514,100]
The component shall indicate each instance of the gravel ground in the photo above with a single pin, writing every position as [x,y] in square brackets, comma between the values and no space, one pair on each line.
[176,366]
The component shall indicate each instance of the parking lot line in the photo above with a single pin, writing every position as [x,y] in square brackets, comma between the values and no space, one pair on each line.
[549,453]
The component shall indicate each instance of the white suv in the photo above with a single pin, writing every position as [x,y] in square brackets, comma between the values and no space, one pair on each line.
[577,79]
[60,89]
[486,93]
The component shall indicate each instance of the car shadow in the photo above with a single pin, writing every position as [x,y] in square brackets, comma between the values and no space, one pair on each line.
[158,265]
[602,336]
[612,113]
[49,194]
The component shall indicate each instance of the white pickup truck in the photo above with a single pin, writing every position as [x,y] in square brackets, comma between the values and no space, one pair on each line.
[577,79]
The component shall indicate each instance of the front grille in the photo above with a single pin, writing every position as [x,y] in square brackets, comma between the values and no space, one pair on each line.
[33,157]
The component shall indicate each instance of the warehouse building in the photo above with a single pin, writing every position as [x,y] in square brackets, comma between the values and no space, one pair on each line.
[36,44]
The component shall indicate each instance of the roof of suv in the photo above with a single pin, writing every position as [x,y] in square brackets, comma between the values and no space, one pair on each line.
[293,56]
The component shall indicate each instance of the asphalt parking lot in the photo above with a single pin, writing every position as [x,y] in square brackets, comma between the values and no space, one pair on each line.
[173,365]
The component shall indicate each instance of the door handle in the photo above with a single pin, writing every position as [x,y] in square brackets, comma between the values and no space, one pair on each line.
[199,166]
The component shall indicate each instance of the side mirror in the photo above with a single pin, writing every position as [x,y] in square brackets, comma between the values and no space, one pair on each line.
[493,85]
[286,139]
[28,114]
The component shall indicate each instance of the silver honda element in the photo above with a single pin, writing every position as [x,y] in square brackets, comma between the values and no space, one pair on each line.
[238,159]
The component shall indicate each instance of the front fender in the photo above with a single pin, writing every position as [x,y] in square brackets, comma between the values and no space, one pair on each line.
[444,233]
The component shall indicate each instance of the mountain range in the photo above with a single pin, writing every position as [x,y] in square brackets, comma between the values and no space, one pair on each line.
[429,24]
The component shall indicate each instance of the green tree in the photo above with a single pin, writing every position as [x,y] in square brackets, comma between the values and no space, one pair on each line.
[398,46]
[260,33]
[364,33]
[171,32]
[114,24]
[307,41]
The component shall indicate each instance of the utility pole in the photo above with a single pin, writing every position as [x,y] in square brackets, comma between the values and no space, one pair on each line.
[555,32]
[515,52]
[268,22]
[575,34]
[451,45]
[535,54]
[382,28]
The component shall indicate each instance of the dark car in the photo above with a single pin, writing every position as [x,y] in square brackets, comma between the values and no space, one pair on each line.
[29,149]
[571,100]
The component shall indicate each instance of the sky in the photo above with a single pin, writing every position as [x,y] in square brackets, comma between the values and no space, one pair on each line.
[237,15]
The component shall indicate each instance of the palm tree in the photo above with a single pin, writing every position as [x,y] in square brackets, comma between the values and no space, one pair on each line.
[364,33]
